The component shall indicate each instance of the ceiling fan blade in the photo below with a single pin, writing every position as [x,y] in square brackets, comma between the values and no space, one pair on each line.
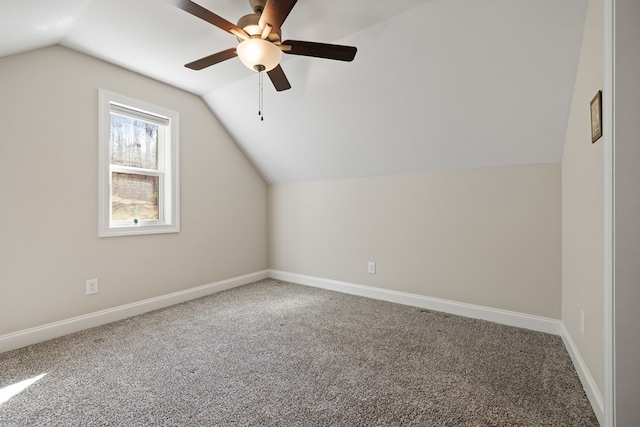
[275,12]
[279,79]
[206,15]
[320,50]
[210,60]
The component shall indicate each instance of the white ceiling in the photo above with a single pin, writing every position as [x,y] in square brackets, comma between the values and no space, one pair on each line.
[436,84]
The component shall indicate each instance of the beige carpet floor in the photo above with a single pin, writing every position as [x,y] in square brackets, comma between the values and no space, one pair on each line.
[279,354]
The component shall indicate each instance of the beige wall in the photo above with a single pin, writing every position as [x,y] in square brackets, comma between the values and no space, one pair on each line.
[583,206]
[489,236]
[48,177]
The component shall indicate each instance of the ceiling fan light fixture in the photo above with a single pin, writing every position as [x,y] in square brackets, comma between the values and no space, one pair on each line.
[260,44]
[258,54]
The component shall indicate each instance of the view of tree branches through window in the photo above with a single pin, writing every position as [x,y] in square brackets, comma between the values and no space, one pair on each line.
[133,153]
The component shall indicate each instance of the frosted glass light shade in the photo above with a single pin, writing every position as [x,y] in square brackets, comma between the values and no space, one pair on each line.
[256,52]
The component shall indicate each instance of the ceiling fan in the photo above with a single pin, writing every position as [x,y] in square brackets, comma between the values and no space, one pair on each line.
[260,45]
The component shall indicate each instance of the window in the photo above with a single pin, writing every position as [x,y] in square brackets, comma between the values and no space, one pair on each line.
[138,169]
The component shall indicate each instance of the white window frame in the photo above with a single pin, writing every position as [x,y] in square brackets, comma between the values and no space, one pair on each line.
[168,166]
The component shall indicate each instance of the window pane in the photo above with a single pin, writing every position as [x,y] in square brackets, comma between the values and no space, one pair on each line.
[133,142]
[134,196]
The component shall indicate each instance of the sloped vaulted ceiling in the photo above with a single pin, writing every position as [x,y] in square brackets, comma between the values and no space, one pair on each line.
[436,84]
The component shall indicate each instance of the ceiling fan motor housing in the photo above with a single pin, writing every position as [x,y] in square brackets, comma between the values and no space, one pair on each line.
[250,23]
[257,6]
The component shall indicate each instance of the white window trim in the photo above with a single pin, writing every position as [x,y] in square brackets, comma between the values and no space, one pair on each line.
[169,201]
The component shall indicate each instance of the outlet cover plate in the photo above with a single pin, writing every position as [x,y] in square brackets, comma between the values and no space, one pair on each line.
[92,286]
[371,268]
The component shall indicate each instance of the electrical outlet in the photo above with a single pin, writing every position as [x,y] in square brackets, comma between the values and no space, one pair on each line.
[582,322]
[92,286]
[371,267]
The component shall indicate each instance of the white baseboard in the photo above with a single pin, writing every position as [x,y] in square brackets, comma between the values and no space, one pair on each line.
[56,329]
[511,318]
[588,383]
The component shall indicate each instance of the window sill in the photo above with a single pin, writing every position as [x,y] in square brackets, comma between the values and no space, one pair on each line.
[138,230]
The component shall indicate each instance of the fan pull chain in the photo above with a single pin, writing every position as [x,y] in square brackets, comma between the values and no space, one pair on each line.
[260,96]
